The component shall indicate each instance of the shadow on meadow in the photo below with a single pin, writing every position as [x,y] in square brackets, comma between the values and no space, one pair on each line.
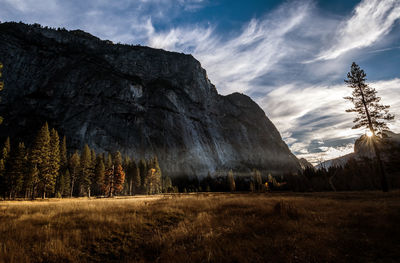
[277,227]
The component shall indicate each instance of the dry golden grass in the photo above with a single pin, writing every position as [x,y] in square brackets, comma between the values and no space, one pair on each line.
[287,227]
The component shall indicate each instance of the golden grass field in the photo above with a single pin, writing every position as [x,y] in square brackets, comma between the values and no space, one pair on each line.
[274,227]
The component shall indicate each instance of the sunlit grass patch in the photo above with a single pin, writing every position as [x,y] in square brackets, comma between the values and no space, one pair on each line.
[328,227]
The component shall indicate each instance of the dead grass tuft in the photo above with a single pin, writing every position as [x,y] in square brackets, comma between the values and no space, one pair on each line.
[286,209]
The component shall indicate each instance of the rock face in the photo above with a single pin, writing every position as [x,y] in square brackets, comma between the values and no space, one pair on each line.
[389,146]
[389,143]
[305,164]
[138,100]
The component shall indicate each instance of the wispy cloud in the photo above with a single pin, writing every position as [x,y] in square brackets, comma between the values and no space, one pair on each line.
[370,21]
[234,63]
[383,49]
[120,20]
[313,120]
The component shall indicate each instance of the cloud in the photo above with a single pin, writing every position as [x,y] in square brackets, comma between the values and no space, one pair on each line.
[313,120]
[234,63]
[327,153]
[370,21]
[120,21]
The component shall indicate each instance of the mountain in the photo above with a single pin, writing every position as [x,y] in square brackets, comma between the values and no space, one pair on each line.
[338,161]
[389,145]
[305,164]
[138,100]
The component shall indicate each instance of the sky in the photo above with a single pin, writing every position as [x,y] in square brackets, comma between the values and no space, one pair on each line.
[291,57]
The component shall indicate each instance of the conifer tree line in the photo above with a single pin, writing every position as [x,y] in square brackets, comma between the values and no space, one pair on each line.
[221,181]
[47,169]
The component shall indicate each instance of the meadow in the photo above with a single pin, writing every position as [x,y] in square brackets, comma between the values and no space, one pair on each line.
[204,227]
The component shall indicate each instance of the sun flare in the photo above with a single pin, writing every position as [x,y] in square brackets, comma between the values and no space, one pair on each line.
[369,133]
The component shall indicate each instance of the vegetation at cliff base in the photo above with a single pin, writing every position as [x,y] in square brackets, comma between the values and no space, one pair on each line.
[47,169]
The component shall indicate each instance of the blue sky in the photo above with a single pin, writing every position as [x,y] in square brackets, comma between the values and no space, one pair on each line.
[289,56]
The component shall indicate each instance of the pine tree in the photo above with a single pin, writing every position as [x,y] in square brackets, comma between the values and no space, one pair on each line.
[168,185]
[34,179]
[6,149]
[109,162]
[40,157]
[16,170]
[119,179]
[99,175]
[208,182]
[126,165]
[370,113]
[136,179]
[4,159]
[63,155]
[94,157]
[61,177]
[251,186]
[2,178]
[1,85]
[257,180]
[158,174]
[74,164]
[153,181]
[143,171]
[114,177]
[231,181]
[55,158]
[117,159]
[114,180]
[86,170]
[131,169]
[67,183]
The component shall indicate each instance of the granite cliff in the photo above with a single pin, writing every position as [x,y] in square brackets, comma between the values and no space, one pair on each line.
[389,146]
[135,99]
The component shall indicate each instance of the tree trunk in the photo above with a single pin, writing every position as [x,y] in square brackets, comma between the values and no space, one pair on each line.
[376,149]
[33,193]
[112,182]
[72,186]
[331,183]
[384,183]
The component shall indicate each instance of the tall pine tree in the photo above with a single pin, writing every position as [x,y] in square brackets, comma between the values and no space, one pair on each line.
[16,170]
[371,114]
[137,181]
[114,180]
[6,149]
[74,164]
[63,155]
[2,178]
[86,170]
[4,154]
[61,181]
[143,171]
[257,181]
[40,158]
[1,84]
[231,181]
[99,175]
[55,158]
